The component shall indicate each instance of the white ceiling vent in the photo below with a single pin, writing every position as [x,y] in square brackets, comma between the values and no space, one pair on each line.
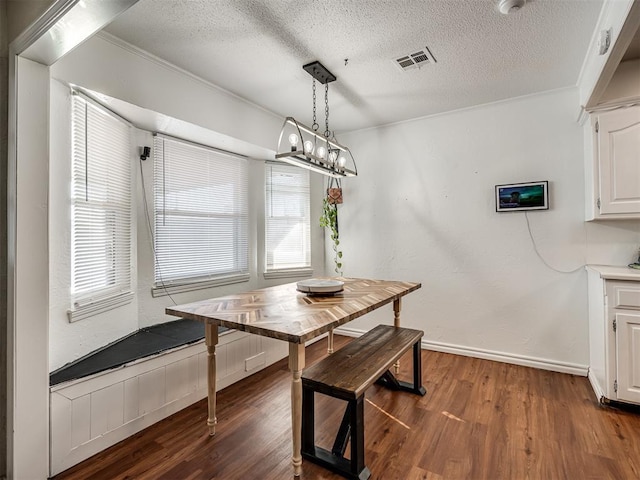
[416,59]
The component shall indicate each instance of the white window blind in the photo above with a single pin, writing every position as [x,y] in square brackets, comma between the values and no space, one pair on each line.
[201,214]
[288,218]
[101,209]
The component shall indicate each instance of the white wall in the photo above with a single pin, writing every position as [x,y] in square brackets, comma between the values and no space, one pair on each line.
[423,209]
[108,66]
[129,75]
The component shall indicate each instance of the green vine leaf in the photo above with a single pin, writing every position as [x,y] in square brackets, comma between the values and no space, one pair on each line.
[329,219]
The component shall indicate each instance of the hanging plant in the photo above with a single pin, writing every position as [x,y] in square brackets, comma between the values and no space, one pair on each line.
[329,219]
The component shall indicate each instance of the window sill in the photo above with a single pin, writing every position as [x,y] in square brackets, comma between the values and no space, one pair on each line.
[99,306]
[164,290]
[289,273]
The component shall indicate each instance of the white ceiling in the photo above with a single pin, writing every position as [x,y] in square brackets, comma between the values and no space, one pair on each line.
[256,50]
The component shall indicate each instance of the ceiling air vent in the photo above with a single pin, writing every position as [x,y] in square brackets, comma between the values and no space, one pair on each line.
[416,59]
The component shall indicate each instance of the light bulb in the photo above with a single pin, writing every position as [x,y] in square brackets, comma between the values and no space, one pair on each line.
[342,161]
[308,146]
[333,156]
[321,152]
[293,140]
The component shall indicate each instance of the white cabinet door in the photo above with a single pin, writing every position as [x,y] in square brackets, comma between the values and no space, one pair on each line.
[619,161]
[628,352]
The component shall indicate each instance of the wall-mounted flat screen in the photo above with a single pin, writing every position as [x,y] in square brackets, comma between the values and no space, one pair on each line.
[522,196]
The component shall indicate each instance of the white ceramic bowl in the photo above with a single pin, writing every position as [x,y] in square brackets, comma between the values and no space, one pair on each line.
[315,285]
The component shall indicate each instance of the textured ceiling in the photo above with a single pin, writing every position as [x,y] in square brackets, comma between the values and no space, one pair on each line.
[256,50]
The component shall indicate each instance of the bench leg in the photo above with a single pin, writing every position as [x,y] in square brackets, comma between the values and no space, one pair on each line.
[417,370]
[344,432]
[308,422]
[389,380]
[351,427]
[357,438]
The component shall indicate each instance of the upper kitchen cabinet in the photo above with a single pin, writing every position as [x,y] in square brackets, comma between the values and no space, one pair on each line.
[615,164]
[610,94]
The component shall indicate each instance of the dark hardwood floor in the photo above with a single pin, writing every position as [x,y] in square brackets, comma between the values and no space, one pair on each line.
[479,420]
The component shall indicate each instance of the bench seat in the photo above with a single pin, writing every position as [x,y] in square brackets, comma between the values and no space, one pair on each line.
[346,374]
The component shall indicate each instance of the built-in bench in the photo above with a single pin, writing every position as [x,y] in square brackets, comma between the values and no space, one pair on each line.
[131,384]
[347,374]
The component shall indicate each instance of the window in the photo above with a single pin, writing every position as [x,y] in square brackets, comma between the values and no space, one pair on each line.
[201,216]
[288,220]
[101,210]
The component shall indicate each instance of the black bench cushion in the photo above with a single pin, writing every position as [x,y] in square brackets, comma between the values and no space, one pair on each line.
[348,372]
[143,343]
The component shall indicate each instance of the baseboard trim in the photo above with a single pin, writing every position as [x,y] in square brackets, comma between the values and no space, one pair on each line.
[596,387]
[522,360]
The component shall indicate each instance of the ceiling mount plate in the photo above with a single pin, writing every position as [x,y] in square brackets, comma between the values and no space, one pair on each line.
[319,72]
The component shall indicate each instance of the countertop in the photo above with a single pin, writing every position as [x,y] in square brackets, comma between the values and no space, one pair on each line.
[610,272]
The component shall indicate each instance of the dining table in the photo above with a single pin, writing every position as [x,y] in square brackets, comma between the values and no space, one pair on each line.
[284,313]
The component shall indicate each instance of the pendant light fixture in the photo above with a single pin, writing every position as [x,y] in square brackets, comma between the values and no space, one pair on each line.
[305,147]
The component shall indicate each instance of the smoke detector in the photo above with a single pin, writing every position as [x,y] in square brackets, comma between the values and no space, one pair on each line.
[509,6]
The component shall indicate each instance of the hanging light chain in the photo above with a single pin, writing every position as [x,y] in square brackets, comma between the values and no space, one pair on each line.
[315,125]
[326,110]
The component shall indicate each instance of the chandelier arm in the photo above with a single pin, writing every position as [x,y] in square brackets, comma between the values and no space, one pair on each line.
[353,160]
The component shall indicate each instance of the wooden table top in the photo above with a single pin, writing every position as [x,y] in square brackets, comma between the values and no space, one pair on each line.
[284,313]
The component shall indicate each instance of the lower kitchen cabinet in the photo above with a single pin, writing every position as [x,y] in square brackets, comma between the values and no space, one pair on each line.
[614,333]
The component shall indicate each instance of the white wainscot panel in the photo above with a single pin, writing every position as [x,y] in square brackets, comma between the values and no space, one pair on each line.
[131,402]
[107,409]
[80,420]
[153,385]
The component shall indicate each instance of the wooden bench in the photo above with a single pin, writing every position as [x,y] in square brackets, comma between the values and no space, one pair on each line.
[346,374]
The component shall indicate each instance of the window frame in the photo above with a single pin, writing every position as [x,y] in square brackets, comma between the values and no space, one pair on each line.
[168,284]
[305,269]
[120,251]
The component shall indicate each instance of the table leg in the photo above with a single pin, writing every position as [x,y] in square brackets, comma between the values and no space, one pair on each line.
[296,364]
[330,342]
[397,306]
[211,340]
